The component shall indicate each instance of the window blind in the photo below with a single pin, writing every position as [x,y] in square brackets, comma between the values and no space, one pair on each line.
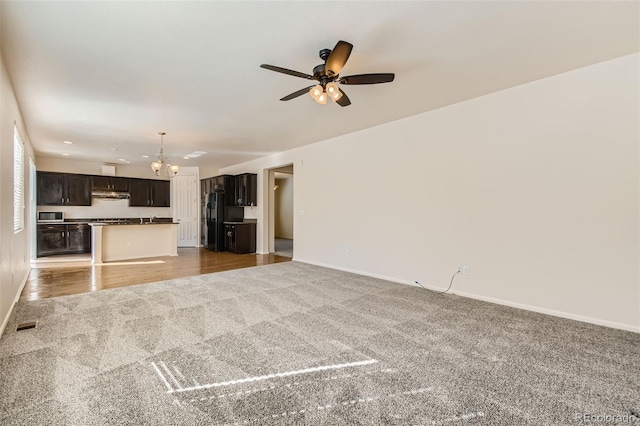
[18,182]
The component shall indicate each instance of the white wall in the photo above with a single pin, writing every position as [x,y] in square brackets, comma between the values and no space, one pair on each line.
[208,171]
[536,188]
[14,247]
[109,209]
[66,165]
[100,209]
[284,208]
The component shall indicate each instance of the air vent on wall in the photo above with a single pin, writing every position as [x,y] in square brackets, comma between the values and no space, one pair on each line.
[108,170]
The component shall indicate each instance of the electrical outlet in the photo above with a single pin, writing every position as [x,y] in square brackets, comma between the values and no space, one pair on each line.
[466,270]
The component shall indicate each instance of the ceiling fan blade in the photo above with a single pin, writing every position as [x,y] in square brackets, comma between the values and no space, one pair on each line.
[296,94]
[344,100]
[286,71]
[367,78]
[338,58]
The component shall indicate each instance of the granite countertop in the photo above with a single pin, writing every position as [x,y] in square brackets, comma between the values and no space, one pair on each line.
[130,223]
[117,221]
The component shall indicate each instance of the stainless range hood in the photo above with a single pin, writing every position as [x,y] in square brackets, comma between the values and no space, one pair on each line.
[110,195]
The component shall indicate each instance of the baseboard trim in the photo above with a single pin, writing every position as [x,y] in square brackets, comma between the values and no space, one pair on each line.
[5,321]
[355,271]
[526,307]
[552,312]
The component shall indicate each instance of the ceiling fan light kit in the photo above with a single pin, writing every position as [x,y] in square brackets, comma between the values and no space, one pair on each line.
[328,76]
[318,93]
[333,91]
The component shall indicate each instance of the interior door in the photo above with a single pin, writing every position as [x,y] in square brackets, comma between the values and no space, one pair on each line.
[186,204]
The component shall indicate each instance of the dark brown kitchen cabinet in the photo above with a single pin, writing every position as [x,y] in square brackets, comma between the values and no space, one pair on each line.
[139,190]
[226,184]
[78,190]
[52,239]
[149,193]
[62,189]
[110,183]
[78,238]
[205,188]
[240,237]
[63,239]
[223,183]
[246,190]
[160,193]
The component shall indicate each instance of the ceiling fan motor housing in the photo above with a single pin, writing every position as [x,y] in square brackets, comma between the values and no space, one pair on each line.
[324,54]
[320,74]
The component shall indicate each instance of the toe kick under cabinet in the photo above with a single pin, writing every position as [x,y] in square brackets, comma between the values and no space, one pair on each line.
[240,237]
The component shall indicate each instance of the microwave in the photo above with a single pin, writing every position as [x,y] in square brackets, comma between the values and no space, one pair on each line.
[50,216]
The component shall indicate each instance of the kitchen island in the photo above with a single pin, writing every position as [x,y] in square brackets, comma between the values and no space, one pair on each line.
[124,241]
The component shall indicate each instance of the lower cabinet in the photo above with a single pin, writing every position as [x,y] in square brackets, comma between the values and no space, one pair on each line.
[63,239]
[240,237]
[52,239]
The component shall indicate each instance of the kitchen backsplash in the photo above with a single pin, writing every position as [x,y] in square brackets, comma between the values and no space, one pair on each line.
[104,209]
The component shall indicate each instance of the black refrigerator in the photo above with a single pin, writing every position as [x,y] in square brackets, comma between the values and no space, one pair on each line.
[219,211]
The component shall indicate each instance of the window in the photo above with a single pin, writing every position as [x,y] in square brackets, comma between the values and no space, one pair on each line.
[18,182]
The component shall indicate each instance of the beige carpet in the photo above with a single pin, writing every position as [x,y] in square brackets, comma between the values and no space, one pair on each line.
[294,344]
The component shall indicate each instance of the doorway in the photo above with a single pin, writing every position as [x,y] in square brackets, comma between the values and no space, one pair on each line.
[282,211]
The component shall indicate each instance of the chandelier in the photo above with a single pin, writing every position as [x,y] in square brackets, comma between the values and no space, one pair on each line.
[164,163]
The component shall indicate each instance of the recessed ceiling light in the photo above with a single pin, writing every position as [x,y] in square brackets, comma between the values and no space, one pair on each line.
[65,154]
[123,160]
[68,142]
[186,157]
[145,156]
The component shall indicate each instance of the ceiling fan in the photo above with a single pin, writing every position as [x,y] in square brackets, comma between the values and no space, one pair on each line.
[327,75]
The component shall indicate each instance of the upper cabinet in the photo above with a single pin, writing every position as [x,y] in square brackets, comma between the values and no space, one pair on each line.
[205,188]
[246,190]
[226,184]
[149,193]
[110,183]
[160,193]
[223,183]
[61,189]
[139,189]
[66,189]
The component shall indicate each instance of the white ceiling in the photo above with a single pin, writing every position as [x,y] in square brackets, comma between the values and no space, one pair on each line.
[109,75]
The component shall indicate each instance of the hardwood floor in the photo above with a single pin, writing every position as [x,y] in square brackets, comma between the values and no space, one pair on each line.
[51,280]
